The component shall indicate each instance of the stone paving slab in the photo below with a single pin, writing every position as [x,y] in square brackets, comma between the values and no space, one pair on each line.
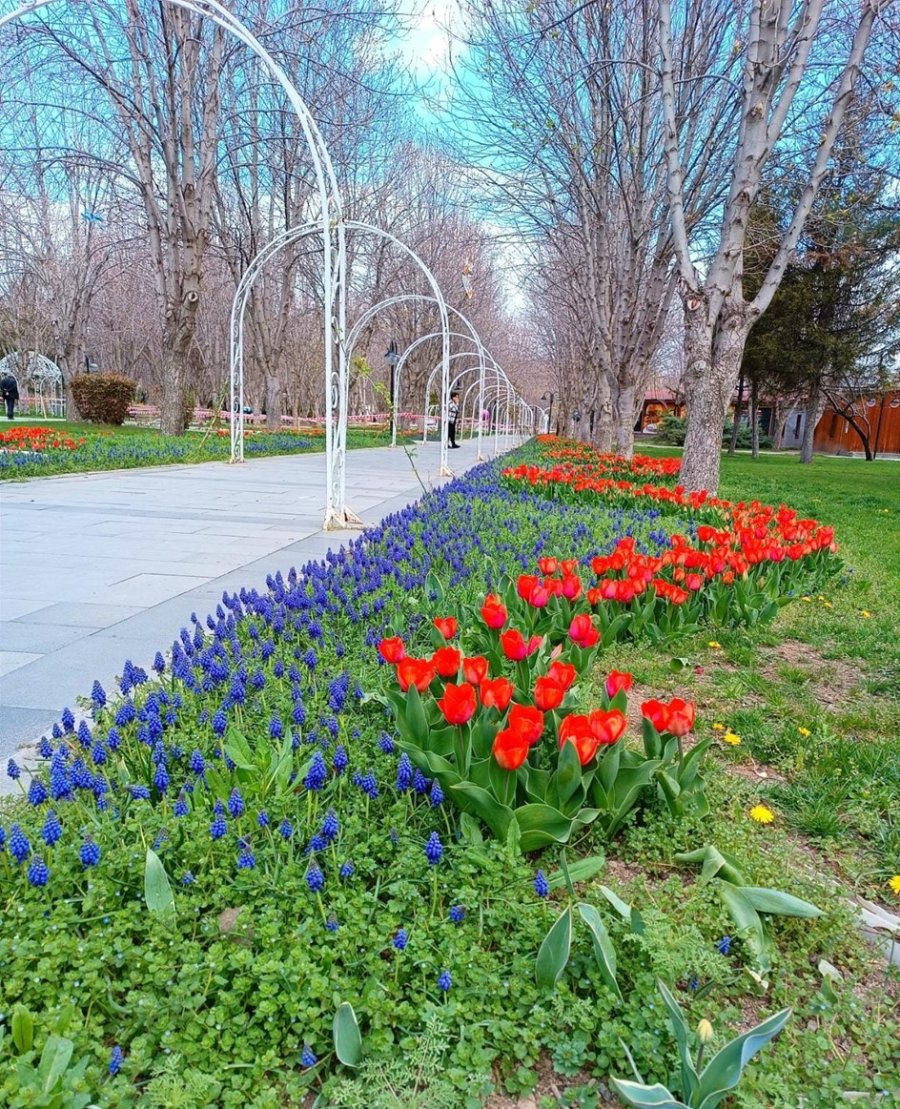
[97,568]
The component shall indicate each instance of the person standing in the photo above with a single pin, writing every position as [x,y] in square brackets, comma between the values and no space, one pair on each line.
[9,390]
[452,414]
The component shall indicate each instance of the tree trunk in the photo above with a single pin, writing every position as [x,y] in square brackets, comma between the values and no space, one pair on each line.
[732,446]
[625,420]
[815,406]
[178,334]
[708,384]
[273,401]
[754,418]
[603,417]
[777,425]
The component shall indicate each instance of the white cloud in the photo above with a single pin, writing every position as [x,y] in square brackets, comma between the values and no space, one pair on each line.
[427,43]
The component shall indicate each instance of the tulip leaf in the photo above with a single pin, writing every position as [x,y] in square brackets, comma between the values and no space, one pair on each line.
[747,920]
[347,1037]
[690,1080]
[55,1058]
[579,871]
[157,890]
[646,1097]
[604,951]
[554,951]
[472,798]
[542,825]
[779,904]
[416,727]
[723,1072]
[568,774]
[617,903]
[22,1029]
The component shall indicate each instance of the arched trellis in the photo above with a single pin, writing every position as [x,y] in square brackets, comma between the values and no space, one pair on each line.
[401,298]
[480,369]
[445,378]
[330,224]
[500,373]
[510,394]
[336,463]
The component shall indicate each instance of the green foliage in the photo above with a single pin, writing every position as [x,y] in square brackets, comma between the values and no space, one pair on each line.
[706,1088]
[346,1035]
[672,429]
[102,398]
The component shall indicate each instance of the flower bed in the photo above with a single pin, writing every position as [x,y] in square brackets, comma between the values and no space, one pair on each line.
[224,854]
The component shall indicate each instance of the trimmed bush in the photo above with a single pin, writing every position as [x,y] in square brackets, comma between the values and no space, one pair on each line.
[672,429]
[103,398]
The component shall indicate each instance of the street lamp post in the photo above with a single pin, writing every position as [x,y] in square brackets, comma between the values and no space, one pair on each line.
[392,356]
[549,400]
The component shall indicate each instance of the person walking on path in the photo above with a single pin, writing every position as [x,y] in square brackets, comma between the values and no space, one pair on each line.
[9,390]
[452,414]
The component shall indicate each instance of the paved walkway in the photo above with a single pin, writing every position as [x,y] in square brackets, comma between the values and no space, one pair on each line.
[98,568]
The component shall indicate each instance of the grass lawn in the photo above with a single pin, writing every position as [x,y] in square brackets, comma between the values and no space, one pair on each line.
[132,445]
[829,666]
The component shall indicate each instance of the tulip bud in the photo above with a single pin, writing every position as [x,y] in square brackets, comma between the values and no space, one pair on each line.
[705,1031]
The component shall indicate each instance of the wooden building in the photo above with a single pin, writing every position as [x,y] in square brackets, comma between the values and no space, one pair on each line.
[878,415]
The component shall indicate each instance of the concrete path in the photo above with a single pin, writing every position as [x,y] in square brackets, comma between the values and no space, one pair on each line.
[99,568]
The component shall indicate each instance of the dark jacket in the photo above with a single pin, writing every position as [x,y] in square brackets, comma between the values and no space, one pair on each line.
[9,387]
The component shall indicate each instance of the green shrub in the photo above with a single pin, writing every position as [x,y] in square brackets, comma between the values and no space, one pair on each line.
[744,437]
[103,398]
[672,429]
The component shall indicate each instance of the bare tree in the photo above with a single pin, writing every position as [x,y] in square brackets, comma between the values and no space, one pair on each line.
[782,105]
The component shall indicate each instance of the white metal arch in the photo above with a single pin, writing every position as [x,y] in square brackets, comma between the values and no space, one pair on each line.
[330,224]
[502,383]
[400,298]
[337,513]
[445,380]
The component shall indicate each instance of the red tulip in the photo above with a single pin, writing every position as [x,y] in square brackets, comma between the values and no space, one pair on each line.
[526,721]
[446,661]
[514,646]
[571,587]
[569,565]
[458,703]
[493,612]
[608,727]
[534,644]
[533,591]
[563,673]
[548,565]
[415,671]
[446,625]
[392,650]
[510,750]
[576,729]
[676,717]
[548,694]
[616,680]
[582,631]
[681,716]
[496,694]
[475,670]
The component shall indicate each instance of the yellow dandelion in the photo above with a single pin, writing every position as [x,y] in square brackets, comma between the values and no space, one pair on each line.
[866,615]
[732,739]
[718,727]
[804,732]
[762,814]
[894,883]
[827,604]
[807,599]
[820,597]
[715,646]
